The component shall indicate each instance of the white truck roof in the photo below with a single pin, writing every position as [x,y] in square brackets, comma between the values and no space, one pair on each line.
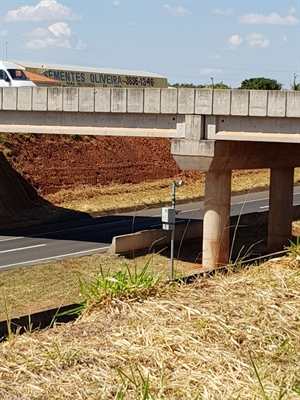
[13,75]
[10,65]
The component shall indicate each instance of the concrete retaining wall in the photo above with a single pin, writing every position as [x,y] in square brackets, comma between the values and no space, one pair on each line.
[193,230]
[154,237]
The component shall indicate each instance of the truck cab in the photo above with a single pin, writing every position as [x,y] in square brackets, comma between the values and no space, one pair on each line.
[13,75]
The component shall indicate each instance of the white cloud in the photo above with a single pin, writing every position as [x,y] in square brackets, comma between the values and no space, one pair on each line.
[56,35]
[272,19]
[210,71]
[60,29]
[257,40]
[292,10]
[214,57]
[3,33]
[285,39]
[176,11]
[38,32]
[223,11]
[37,44]
[116,3]
[44,10]
[235,41]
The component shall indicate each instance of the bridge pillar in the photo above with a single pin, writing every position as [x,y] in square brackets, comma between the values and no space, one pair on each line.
[280,208]
[216,220]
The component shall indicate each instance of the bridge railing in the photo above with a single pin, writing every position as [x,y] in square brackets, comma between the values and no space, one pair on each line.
[257,103]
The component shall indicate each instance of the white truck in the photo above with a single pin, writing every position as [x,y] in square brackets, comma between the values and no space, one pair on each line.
[13,75]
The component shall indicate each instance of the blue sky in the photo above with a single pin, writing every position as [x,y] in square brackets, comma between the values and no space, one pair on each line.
[185,41]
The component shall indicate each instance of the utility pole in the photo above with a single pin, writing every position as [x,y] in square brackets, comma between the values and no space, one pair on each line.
[168,217]
[174,186]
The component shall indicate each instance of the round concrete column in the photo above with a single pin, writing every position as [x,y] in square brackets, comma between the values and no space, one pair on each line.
[216,221]
[280,208]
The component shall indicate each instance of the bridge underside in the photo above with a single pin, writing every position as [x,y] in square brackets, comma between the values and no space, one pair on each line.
[218,159]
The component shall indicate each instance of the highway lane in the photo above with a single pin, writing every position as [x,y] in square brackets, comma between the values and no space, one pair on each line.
[39,244]
[29,246]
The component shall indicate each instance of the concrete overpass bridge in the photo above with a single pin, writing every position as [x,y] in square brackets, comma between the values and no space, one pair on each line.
[215,131]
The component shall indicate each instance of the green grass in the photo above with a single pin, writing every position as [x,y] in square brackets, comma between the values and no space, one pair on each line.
[27,290]
[130,282]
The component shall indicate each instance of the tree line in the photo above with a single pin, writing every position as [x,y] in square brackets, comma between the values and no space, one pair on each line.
[247,84]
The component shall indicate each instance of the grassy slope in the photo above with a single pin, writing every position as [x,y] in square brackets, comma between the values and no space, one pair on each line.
[27,290]
[194,339]
[188,340]
[110,198]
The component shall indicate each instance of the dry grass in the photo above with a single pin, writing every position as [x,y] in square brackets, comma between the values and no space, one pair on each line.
[188,340]
[36,288]
[113,197]
[31,289]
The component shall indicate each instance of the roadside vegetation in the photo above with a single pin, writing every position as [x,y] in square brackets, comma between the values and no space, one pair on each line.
[112,198]
[247,84]
[231,335]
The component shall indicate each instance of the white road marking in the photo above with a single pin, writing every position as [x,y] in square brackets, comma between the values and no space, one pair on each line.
[11,238]
[54,257]
[23,248]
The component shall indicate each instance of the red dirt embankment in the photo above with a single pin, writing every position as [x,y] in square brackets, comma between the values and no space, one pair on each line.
[53,162]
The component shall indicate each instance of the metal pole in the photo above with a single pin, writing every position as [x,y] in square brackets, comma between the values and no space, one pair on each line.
[295,76]
[172,233]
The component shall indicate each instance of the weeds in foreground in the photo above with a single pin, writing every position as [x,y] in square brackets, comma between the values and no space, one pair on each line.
[136,382]
[3,139]
[282,390]
[294,248]
[128,283]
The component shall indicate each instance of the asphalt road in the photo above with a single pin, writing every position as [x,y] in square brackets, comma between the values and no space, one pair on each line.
[52,242]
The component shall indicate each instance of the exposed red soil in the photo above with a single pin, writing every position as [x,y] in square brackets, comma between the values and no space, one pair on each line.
[52,162]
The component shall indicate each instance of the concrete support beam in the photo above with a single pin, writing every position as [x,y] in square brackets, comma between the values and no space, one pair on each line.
[216,221]
[280,208]
[90,123]
[218,155]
